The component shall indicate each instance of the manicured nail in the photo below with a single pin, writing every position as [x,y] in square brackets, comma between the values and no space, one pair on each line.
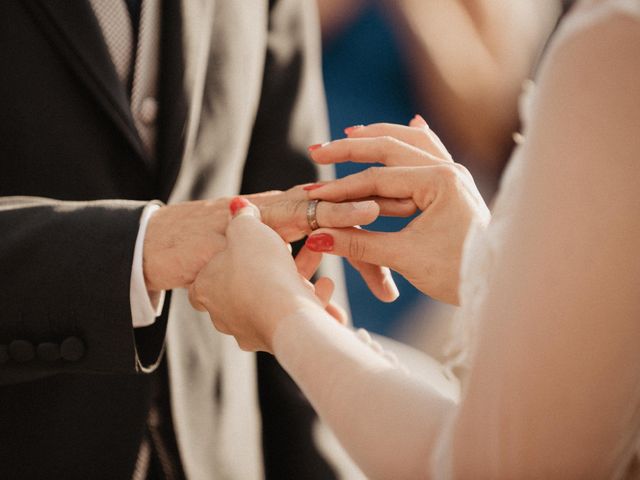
[420,119]
[237,203]
[348,130]
[312,148]
[313,186]
[321,242]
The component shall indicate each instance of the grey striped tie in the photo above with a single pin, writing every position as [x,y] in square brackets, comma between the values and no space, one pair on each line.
[115,23]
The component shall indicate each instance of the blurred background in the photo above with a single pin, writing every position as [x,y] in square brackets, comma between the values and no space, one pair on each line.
[461,65]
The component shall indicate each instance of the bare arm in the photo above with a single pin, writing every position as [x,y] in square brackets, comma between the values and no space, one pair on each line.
[469,60]
[554,392]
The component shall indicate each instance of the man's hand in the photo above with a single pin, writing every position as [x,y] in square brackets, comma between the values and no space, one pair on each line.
[181,239]
[253,284]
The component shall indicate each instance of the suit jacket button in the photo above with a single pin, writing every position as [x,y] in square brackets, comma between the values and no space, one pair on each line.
[4,354]
[21,351]
[48,351]
[72,349]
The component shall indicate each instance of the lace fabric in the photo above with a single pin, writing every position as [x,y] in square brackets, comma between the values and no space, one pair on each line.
[484,245]
[548,329]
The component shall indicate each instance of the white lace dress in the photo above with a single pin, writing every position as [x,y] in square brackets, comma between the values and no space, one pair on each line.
[550,317]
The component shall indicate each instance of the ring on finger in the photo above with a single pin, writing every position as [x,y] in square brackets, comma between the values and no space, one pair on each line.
[312,208]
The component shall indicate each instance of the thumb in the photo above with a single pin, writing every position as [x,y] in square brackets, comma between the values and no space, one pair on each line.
[378,248]
[247,233]
[245,220]
[240,206]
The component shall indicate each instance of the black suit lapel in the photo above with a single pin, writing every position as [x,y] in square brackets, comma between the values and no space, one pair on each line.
[75,32]
[172,98]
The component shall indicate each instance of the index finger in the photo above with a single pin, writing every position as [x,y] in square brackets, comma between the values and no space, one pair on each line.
[385,150]
[398,183]
[419,136]
[307,262]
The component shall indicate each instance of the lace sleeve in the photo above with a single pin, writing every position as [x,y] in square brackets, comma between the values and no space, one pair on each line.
[387,419]
[554,388]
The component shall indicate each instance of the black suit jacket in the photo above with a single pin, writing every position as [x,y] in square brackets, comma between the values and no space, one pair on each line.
[73,180]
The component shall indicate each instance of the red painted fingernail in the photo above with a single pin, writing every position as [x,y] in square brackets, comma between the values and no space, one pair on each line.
[237,203]
[311,148]
[321,242]
[313,186]
[348,130]
[421,119]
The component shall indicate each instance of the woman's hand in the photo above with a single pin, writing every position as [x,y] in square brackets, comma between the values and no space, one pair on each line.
[285,212]
[182,238]
[419,170]
[253,283]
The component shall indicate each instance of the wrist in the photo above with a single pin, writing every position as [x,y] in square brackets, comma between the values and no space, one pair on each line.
[301,302]
[146,234]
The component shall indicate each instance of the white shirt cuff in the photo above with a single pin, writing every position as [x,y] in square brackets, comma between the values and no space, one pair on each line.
[146,305]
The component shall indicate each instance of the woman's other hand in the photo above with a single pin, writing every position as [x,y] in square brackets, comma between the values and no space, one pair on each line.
[420,172]
[254,282]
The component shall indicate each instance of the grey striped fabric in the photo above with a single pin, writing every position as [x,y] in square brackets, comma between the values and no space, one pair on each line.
[115,23]
[144,92]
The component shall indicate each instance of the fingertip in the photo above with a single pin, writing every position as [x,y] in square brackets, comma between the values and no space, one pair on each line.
[324,288]
[390,288]
[312,186]
[240,207]
[307,262]
[338,313]
[369,209]
[317,146]
[320,241]
[418,121]
[325,282]
[238,203]
[349,130]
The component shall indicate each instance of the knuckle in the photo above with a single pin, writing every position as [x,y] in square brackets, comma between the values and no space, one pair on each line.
[389,145]
[244,346]
[372,173]
[295,208]
[448,174]
[356,248]
[464,171]
[422,134]
[219,323]
[198,296]
[298,211]
[389,140]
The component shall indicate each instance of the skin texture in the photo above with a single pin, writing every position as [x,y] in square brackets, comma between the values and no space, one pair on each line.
[182,238]
[551,390]
[247,298]
[419,169]
[234,286]
[467,56]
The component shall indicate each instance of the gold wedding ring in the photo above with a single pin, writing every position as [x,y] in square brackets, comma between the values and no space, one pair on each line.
[312,208]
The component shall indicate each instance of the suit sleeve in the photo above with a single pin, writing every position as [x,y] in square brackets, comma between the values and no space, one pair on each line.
[65,271]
